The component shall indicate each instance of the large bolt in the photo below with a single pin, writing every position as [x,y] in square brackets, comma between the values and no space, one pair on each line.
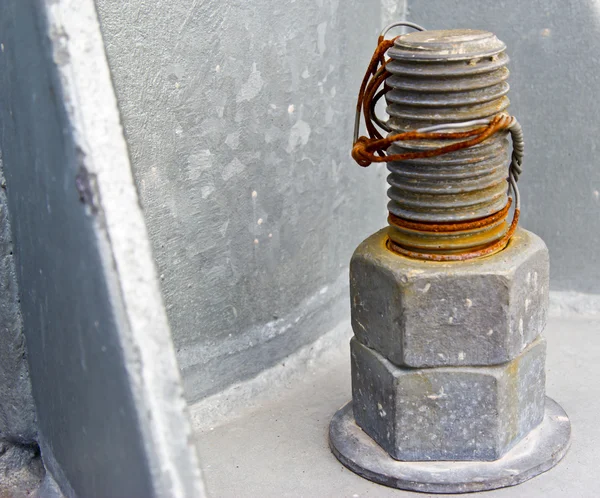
[444,77]
[447,358]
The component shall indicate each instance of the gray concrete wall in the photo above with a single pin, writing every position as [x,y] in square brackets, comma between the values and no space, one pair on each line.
[17,411]
[554,46]
[239,117]
[20,464]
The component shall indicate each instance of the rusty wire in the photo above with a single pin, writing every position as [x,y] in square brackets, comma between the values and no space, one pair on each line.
[373,148]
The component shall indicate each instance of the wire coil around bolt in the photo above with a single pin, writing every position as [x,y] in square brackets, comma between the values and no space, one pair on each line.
[373,148]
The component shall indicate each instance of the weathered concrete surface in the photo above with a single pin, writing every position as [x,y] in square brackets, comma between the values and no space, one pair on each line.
[239,121]
[21,471]
[448,413]
[17,411]
[104,376]
[423,314]
[21,468]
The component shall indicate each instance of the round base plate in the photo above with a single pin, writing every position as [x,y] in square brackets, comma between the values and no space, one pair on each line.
[538,452]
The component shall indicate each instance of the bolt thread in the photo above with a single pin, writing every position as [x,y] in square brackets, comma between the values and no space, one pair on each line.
[444,77]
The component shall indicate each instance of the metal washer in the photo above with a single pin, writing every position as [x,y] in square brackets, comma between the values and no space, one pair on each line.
[538,452]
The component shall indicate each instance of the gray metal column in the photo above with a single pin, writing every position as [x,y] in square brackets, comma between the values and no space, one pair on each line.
[108,395]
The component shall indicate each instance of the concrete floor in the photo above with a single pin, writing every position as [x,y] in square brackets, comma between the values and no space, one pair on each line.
[280,449]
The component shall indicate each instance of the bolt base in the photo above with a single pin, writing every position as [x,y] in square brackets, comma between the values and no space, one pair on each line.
[538,452]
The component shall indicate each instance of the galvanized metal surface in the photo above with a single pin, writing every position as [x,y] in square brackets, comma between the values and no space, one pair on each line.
[236,115]
[444,77]
[104,376]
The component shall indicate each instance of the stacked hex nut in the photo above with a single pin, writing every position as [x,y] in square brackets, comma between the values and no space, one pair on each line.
[447,359]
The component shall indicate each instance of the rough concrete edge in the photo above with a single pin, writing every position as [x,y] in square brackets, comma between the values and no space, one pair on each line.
[91,107]
[18,423]
[571,304]
[242,398]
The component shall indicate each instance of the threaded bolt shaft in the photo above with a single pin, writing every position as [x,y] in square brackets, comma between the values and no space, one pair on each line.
[445,77]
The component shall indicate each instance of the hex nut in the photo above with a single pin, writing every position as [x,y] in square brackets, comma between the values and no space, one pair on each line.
[448,413]
[427,314]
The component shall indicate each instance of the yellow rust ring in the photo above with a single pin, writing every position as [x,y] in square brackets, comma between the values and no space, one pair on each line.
[452,241]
